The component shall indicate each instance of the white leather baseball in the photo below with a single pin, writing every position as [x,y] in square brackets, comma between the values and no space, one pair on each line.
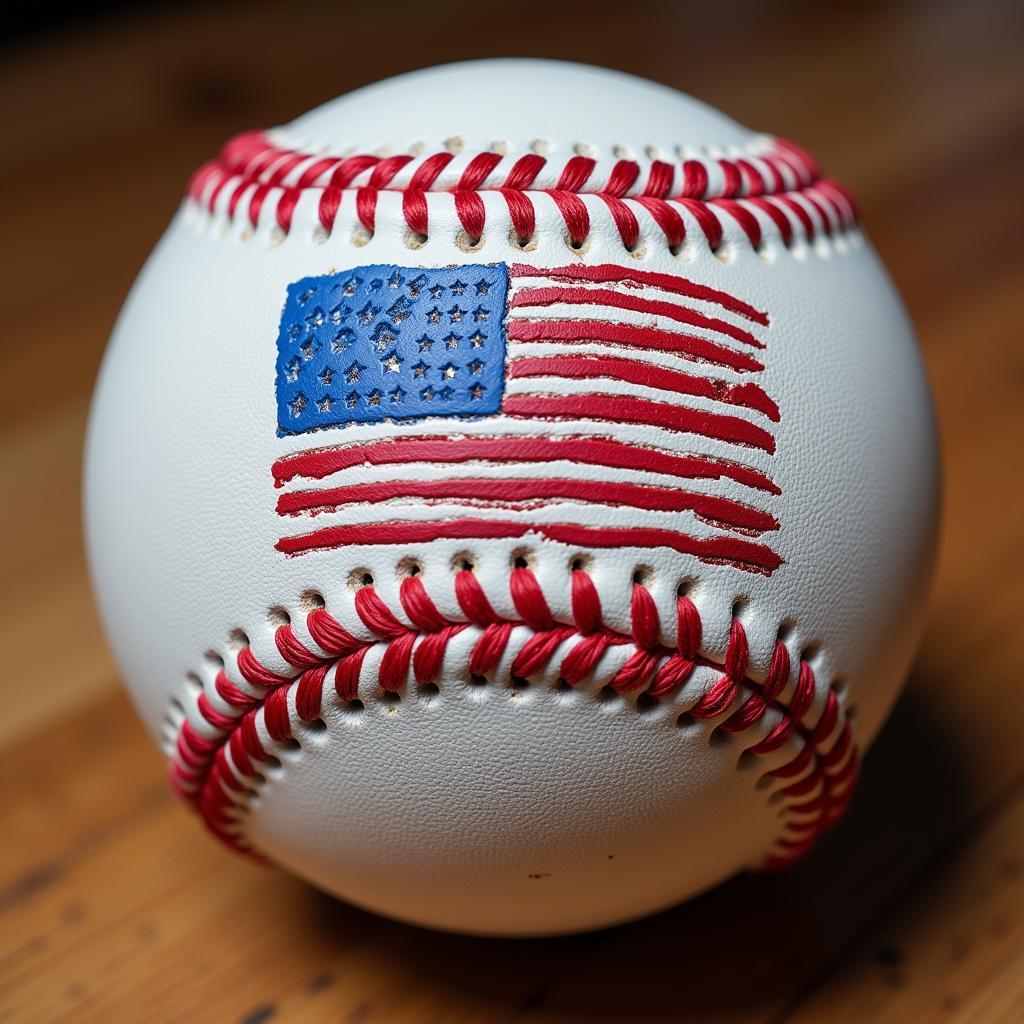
[466,702]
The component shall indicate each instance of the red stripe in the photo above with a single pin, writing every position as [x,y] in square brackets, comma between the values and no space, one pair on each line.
[742,554]
[608,272]
[529,297]
[585,367]
[526,493]
[626,409]
[652,338]
[593,451]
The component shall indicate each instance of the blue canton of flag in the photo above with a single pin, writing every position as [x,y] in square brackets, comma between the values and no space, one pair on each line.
[385,342]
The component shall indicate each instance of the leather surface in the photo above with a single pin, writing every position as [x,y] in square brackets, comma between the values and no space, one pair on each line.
[441,808]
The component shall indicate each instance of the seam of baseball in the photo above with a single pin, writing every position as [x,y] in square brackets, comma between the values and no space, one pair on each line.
[215,761]
[779,193]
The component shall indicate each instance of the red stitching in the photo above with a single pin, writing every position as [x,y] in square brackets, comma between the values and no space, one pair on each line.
[753,192]
[208,771]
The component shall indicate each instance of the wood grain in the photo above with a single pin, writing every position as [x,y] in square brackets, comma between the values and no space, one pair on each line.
[113,903]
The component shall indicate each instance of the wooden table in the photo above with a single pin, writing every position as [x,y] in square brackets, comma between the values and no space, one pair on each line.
[115,906]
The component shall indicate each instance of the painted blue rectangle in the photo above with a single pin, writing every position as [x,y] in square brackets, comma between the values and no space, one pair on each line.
[385,342]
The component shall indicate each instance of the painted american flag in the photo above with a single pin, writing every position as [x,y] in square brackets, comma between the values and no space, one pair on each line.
[600,406]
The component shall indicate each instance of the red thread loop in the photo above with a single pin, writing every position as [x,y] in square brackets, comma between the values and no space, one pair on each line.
[346,675]
[275,714]
[329,634]
[644,612]
[472,599]
[309,692]
[470,210]
[586,604]
[489,649]
[523,172]
[294,652]
[622,178]
[625,221]
[575,173]
[706,221]
[668,219]
[376,615]
[521,213]
[529,600]
[417,605]
[477,171]
[348,170]
[737,653]
[688,628]
[659,179]
[574,213]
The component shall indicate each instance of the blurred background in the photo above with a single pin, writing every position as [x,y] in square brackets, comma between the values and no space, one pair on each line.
[115,906]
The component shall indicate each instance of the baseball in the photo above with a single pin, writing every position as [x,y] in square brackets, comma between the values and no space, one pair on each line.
[511,497]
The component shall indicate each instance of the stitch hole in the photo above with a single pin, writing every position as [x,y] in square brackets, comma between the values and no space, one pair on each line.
[839,685]
[359,578]
[608,695]
[563,686]
[810,652]
[176,706]
[361,237]
[409,567]
[851,713]
[238,639]
[747,761]
[315,726]
[765,781]
[577,246]
[352,707]
[278,617]
[427,690]
[643,575]
[499,146]
[214,658]
[785,630]
[468,244]
[686,587]
[389,697]
[581,563]
[526,243]
[518,683]
[193,683]
[414,240]
[310,600]
[738,606]
[585,149]
[645,703]
[477,680]
[718,737]
[540,146]
[687,722]
[623,153]
[454,143]
[521,559]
